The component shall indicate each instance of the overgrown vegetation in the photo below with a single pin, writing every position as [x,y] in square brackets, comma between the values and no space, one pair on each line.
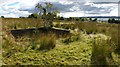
[90,42]
[78,43]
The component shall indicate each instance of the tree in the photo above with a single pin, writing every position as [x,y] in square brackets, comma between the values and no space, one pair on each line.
[82,19]
[44,9]
[117,21]
[35,15]
[95,19]
[21,17]
[77,19]
[90,19]
[2,16]
[46,14]
[111,20]
[61,18]
[70,18]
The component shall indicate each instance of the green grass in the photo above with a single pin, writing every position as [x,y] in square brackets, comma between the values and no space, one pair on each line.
[76,53]
[71,55]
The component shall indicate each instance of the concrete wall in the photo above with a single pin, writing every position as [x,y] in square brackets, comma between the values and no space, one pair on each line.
[38,31]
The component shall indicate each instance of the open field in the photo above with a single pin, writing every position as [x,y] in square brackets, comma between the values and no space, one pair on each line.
[91,43]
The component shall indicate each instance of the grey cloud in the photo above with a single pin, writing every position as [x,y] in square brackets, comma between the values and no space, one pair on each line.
[57,6]
[105,2]
[88,9]
[92,0]
[94,9]
[63,8]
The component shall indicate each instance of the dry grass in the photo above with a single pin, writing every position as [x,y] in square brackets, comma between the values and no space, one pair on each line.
[88,27]
[12,23]
[46,42]
[102,51]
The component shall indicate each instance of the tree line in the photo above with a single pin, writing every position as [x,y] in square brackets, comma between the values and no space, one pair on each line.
[112,20]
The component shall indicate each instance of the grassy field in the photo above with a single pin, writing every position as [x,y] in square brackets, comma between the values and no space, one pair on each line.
[11,23]
[92,43]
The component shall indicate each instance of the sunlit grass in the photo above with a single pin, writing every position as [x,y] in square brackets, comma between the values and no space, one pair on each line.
[75,53]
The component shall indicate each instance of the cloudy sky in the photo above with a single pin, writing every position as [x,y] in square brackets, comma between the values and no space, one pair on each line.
[67,8]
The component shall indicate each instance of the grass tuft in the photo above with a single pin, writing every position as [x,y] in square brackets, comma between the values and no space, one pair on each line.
[102,51]
[44,42]
[47,42]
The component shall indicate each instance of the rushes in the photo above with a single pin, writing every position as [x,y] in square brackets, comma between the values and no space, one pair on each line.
[47,42]
[102,51]
[44,42]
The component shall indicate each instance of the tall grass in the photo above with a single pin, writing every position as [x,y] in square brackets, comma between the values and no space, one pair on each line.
[47,42]
[9,46]
[44,42]
[102,51]
[111,30]
[117,38]
[71,39]
[11,23]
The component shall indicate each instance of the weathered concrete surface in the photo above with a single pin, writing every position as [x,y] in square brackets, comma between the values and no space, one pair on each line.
[37,31]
